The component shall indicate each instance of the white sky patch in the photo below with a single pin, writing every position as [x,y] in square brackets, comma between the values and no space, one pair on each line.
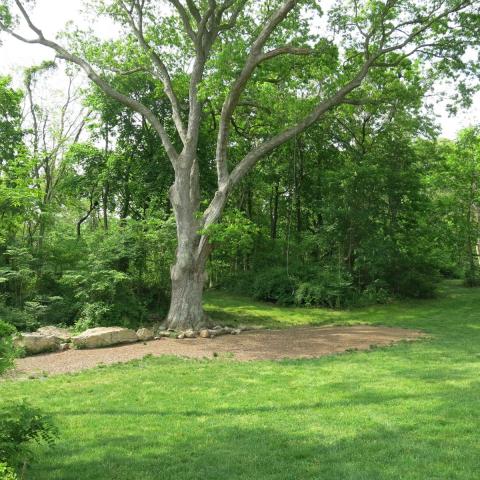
[51,17]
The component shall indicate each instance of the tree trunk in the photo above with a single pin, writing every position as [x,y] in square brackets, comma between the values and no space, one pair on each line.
[186,309]
[274,213]
[188,273]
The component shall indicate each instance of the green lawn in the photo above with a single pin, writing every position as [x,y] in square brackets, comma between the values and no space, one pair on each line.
[411,411]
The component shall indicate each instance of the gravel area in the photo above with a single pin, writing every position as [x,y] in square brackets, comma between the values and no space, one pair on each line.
[301,342]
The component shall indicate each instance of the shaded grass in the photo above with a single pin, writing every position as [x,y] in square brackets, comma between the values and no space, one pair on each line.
[405,412]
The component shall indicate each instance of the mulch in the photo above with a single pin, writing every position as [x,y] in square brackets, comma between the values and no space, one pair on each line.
[291,343]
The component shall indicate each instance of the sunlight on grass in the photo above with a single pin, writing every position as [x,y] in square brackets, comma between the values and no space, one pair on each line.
[408,411]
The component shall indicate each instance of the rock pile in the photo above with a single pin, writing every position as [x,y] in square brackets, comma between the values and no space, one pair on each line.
[209,332]
[54,339]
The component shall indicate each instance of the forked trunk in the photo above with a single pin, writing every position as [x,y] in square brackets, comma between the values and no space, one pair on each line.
[188,272]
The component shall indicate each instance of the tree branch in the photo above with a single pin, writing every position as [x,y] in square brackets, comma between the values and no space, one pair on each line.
[159,65]
[254,58]
[253,156]
[100,82]
[184,16]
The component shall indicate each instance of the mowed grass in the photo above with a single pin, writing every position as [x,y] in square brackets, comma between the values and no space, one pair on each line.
[411,411]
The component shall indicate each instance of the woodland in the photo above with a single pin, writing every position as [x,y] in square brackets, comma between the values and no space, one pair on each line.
[271,151]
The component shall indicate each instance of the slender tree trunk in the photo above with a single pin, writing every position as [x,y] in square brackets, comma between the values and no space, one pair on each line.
[274,213]
[106,187]
[298,189]
[105,194]
[477,246]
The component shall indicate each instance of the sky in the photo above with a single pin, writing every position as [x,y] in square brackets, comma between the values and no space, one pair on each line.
[52,15]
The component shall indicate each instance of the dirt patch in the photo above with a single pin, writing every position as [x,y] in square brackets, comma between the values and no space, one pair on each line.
[303,342]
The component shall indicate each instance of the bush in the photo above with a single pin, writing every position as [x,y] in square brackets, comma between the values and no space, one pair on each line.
[20,425]
[413,277]
[7,349]
[105,297]
[6,472]
[275,285]
[305,286]
[21,319]
[471,278]
[376,292]
[326,286]
[329,288]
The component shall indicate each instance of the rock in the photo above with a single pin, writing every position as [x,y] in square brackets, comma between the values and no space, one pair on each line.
[104,337]
[145,334]
[164,333]
[157,328]
[236,331]
[204,333]
[37,343]
[61,333]
[227,330]
[217,327]
[64,347]
[190,334]
[181,335]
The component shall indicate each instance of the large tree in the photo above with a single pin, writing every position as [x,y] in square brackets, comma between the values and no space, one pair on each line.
[206,54]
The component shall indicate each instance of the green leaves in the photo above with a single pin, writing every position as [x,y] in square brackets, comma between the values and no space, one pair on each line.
[20,426]
[7,349]
[6,19]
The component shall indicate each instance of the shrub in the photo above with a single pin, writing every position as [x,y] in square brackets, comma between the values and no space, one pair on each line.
[20,425]
[105,297]
[328,288]
[413,277]
[471,278]
[275,285]
[7,349]
[21,319]
[6,472]
[376,292]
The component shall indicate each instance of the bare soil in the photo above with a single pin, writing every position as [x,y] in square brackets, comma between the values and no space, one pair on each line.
[292,343]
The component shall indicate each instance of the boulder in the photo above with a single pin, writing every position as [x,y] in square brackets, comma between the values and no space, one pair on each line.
[104,337]
[204,333]
[164,333]
[190,334]
[145,334]
[61,333]
[37,343]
